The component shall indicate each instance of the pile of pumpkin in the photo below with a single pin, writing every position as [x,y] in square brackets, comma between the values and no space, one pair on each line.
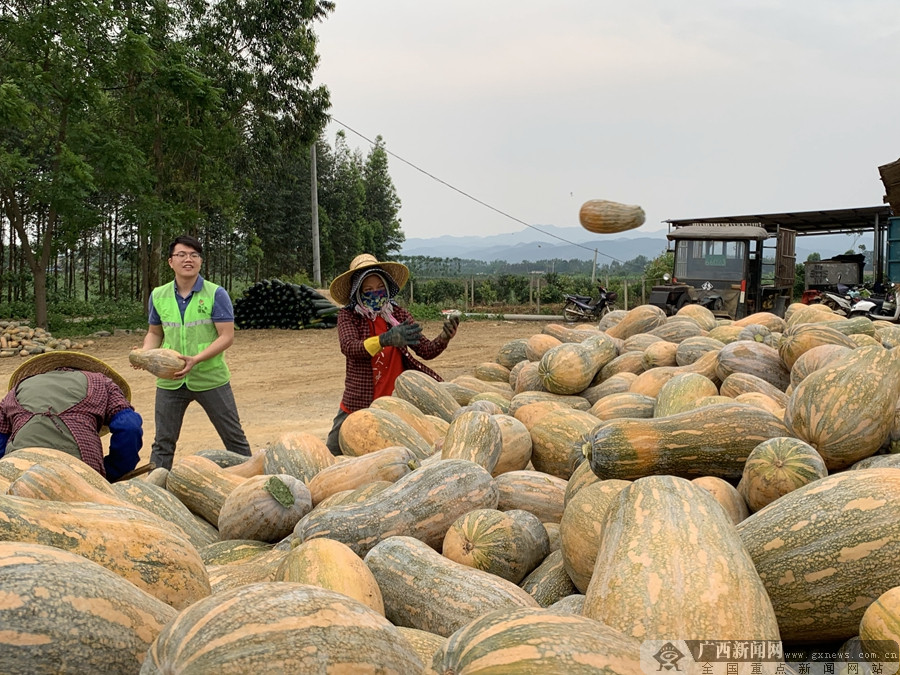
[17,338]
[650,479]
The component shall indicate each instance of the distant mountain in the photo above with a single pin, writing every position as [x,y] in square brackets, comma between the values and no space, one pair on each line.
[552,243]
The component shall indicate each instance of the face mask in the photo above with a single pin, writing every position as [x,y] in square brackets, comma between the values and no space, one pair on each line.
[374,300]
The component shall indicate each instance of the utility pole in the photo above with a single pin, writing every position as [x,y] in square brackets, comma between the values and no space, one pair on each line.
[314,207]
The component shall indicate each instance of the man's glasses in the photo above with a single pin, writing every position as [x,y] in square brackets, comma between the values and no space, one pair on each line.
[181,255]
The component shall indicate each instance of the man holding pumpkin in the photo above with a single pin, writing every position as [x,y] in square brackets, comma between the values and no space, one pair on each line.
[376,334]
[194,317]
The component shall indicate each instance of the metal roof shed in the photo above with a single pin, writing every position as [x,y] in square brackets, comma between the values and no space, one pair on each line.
[809,223]
[724,232]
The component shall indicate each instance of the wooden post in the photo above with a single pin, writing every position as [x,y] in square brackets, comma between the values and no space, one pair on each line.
[466,295]
[625,288]
[410,291]
[314,208]
[539,295]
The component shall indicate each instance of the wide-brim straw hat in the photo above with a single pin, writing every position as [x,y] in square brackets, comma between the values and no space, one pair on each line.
[49,361]
[341,286]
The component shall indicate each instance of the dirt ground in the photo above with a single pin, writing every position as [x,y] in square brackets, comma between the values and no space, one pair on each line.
[286,380]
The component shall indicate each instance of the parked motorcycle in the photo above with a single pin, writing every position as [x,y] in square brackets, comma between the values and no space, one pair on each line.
[876,309]
[844,299]
[584,308]
[841,302]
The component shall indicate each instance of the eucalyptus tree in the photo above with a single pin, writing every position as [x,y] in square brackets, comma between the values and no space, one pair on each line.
[129,121]
[174,112]
[342,203]
[56,62]
[382,205]
[262,54]
[276,205]
[102,111]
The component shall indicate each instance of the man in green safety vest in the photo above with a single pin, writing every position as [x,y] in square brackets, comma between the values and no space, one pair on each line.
[195,318]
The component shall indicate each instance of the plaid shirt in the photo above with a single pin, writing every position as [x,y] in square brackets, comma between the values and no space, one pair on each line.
[84,419]
[353,330]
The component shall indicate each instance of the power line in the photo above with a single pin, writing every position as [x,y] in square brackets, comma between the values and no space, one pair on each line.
[473,198]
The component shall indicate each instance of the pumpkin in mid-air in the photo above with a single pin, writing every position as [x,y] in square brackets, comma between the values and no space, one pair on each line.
[605,217]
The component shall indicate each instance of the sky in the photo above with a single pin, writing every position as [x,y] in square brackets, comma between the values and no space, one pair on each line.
[687,109]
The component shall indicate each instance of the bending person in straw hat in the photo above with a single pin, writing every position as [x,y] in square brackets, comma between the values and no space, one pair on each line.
[376,335]
[62,400]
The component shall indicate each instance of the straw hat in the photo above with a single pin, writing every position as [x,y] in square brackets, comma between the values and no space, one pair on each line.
[44,363]
[341,286]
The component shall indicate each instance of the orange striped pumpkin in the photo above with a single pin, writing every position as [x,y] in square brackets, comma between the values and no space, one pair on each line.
[652,583]
[280,627]
[64,613]
[454,595]
[846,411]
[327,563]
[298,454]
[509,544]
[581,528]
[129,541]
[778,466]
[550,642]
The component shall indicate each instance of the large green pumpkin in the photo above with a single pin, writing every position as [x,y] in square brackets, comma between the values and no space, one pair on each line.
[711,441]
[776,467]
[280,627]
[422,504]
[527,640]
[671,564]
[423,589]
[61,612]
[567,368]
[827,550]
[846,411]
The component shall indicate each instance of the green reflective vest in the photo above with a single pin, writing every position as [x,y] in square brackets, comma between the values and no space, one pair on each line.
[191,336]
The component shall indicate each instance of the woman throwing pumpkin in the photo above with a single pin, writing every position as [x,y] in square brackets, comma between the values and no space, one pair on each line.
[375,335]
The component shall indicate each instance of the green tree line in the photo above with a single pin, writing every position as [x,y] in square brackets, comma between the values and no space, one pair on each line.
[431,266]
[452,283]
[124,123]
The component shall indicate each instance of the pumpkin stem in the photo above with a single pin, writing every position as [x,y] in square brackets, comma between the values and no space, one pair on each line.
[586,446]
[281,492]
[413,464]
